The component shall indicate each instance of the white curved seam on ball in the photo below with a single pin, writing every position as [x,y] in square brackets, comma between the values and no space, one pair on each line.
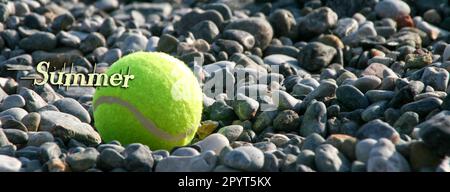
[141,118]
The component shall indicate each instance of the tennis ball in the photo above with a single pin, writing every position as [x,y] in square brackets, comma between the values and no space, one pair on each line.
[161,107]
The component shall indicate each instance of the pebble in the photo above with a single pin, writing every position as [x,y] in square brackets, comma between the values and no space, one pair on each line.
[71,106]
[133,43]
[205,162]
[367,83]
[107,5]
[33,101]
[205,30]
[16,113]
[16,136]
[379,95]
[259,28]
[12,101]
[362,149]
[138,158]
[374,111]
[245,107]
[329,159]
[434,132]
[167,43]
[49,151]
[68,39]
[384,158]
[60,124]
[31,121]
[38,41]
[231,132]
[282,22]
[314,56]
[317,22]
[437,78]
[185,151]
[214,142]
[351,97]
[377,129]
[345,27]
[84,160]
[406,122]
[344,143]
[110,159]
[312,141]
[286,121]
[63,22]
[196,16]
[379,70]
[9,164]
[245,158]
[422,157]
[91,42]
[314,119]
[34,21]
[38,138]
[423,106]
[392,9]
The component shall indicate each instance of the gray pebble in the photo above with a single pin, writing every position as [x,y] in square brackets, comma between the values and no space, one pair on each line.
[15,113]
[363,148]
[12,101]
[232,132]
[243,37]
[329,159]
[214,142]
[392,9]
[133,43]
[259,28]
[315,56]
[245,107]
[39,138]
[138,158]
[61,124]
[423,106]
[32,100]
[31,121]
[84,160]
[307,157]
[9,164]
[73,107]
[351,97]
[384,158]
[38,41]
[49,150]
[317,22]
[34,21]
[110,159]
[374,111]
[16,136]
[379,95]
[245,158]
[377,129]
[314,119]
[92,41]
[312,141]
[63,22]
[434,132]
[185,151]
[286,121]
[205,30]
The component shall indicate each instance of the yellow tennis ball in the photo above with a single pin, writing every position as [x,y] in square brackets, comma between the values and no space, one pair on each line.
[161,107]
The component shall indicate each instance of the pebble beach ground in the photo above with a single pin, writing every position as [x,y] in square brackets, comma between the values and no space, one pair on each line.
[359,85]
